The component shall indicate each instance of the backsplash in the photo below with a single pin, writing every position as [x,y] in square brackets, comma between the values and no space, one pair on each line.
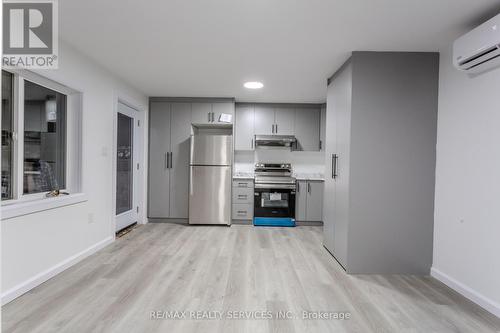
[302,161]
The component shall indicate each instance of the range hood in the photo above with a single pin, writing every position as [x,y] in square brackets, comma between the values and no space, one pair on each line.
[274,141]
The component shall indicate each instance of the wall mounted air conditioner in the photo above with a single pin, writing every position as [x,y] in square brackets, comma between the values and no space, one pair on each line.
[478,50]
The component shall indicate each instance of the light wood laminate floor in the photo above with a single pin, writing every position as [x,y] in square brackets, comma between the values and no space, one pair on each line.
[260,271]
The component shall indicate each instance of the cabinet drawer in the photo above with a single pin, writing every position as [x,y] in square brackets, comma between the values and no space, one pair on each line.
[242,212]
[242,195]
[243,183]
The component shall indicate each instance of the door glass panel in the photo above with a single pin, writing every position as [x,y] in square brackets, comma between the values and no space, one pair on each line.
[274,199]
[124,171]
[7,128]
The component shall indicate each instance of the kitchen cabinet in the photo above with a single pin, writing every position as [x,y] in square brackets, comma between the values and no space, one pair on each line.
[307,125]
[170,128]
[201,113]
[244,134]
[159,150]
[180,130]
[380,139]
[322,128]
[243,196]
[205,113]
[264,120]
[284,121]
[309,201]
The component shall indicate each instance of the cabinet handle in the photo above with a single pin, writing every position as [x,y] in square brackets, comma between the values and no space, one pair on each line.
[165,162]
[242,185]
[276,128]
[309,187]
[242,212]
[335,166]
[242,195]
[320,145]
[252,143]
[213,117]
[298,187]
[209,116]
[171,159]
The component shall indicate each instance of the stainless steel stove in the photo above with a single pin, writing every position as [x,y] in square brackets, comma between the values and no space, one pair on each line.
[274,174]
[274,193]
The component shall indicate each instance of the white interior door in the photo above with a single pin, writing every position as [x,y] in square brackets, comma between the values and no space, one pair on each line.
[127,157]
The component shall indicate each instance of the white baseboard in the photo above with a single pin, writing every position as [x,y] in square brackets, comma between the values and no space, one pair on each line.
[481,300]
[40,278]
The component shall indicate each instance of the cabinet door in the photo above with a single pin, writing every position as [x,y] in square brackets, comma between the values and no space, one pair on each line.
[180,131]
[222,108]
[314,211]
[322,128]
[284,120]
[301,201]
[159,147]
[264,120]
[342,106]
[244,131]
[201,113]
[307,123]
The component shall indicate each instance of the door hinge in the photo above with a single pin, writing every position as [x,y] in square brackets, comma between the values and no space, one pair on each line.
[138,122]
[137,166]
[137,209]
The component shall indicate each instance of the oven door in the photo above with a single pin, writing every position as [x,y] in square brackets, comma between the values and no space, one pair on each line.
[274,201]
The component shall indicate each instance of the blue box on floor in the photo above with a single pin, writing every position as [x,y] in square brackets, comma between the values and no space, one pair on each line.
[274,222]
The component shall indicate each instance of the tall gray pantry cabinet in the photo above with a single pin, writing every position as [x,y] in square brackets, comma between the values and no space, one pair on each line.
[380,149]
[169,133]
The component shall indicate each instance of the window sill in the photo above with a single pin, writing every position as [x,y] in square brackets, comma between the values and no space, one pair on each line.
[16,209]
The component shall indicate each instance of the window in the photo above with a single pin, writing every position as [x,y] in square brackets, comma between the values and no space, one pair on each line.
[41,139]
[7,135]
[44,139]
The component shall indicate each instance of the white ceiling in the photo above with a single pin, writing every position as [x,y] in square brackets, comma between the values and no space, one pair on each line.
[209,48]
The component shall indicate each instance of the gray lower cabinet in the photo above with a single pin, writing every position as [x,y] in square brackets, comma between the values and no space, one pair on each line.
[244,133]
[243,193]
[380,152]
[309,201]
[170,128]
[307,129]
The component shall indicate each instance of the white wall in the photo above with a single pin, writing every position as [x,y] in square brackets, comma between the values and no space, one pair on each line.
[34,246]
[467,202]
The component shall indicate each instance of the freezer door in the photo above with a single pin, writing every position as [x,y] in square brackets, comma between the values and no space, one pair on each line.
[210,195]
[211,150]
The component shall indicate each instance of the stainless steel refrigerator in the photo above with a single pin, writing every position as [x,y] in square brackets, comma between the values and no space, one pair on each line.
[210,179]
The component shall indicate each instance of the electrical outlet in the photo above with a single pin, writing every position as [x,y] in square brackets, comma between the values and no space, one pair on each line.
[90,218]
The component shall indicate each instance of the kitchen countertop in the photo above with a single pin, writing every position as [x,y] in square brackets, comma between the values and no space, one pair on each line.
[298,176]
[309,176]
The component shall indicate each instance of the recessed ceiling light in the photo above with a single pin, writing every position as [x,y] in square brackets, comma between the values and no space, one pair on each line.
[253,85]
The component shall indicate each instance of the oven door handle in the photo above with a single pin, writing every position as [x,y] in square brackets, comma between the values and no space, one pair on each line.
[276,186]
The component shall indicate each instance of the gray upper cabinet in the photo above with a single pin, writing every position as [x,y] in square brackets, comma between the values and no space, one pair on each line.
[201,113]
[307,125]
[159,148]
[222,108]
[204,113]
[244,127]
[264,120]
[284,120]
[180,131]
[381,124]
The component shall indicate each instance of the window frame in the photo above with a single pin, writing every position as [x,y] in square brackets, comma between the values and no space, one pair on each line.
[73,147]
